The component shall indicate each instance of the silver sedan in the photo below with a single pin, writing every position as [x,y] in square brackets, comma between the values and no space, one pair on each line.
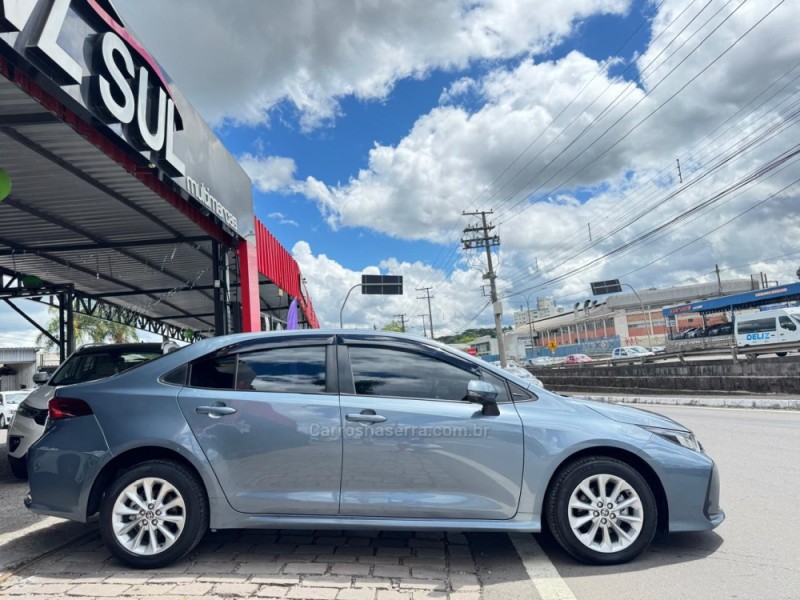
[345,430]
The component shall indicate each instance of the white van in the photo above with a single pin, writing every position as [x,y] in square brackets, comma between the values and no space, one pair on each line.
[778,326]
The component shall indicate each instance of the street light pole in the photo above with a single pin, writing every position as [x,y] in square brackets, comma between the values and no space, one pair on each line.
[341,311]
[649,329]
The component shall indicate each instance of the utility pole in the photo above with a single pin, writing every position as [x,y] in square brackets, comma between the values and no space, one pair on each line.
[719,281]
[481,239]
[424,328]
[402,322]
[427,296]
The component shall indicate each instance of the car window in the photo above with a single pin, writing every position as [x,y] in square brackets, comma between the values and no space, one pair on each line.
[216,372]
[15,397]
[299,370]
[400,373]
[96,365]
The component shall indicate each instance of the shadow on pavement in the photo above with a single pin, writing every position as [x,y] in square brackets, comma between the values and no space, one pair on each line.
[666,549]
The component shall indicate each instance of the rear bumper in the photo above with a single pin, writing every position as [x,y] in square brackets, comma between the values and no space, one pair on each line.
[62,465]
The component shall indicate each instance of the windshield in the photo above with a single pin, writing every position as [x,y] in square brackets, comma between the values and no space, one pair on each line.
[15,397]
[96,365]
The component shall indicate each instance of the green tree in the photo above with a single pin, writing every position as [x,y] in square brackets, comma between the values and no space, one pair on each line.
[393,326]
[87,330]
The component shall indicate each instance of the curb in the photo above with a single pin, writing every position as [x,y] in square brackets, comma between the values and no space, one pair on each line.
[716,402]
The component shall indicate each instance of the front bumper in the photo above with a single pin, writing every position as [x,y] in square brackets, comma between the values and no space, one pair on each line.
[691,485]
[712,510]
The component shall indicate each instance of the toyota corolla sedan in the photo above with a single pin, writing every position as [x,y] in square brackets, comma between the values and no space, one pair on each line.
[346,430]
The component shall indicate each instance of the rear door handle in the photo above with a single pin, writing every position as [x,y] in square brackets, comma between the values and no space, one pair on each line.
[217,409]
[362,418]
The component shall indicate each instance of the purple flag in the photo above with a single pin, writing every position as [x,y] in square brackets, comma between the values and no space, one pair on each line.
[291,319]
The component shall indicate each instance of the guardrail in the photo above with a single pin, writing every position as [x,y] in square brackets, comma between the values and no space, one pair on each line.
[748,352]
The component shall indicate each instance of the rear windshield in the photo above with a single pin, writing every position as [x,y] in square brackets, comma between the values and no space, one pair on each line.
[87,367]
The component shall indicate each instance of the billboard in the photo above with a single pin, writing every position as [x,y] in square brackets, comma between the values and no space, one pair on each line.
[382,284]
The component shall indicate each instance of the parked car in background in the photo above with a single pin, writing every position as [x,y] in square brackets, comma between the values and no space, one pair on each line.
[575,359]
[318,429]
[541,361]
[8,405]
[85,364]
[656,349]
[630,352]
[523,373]
[719,329]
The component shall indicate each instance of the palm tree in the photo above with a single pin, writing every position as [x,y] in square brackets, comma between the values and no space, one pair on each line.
[88,329]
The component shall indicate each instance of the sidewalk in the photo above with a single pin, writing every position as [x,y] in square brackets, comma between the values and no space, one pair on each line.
[766,402]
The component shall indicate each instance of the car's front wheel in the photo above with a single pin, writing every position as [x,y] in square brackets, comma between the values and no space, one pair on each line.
[19,466]
[602,511]
[154,514]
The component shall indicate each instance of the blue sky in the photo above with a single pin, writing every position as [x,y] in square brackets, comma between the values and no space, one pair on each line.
[368,128]
[337,150]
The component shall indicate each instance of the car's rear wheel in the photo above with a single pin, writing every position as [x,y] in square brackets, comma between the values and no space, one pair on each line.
[602,511]
[154,514]
[19,467]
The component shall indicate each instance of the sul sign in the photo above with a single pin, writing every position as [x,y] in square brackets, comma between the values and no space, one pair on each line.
[119,82]
[120,88]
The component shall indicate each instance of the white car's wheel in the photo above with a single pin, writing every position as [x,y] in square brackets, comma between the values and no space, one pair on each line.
[3,422]
[153,514]
[602,511]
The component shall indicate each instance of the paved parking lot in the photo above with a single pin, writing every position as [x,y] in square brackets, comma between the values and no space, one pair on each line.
[320,565]
[754,554]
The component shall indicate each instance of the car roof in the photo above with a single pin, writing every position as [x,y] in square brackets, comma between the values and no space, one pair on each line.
[120,348]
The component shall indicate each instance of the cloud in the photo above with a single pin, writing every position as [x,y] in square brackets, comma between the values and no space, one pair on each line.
[269,173]
[329,282]
[237,61]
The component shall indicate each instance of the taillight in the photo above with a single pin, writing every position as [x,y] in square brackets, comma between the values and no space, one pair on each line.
[64,408]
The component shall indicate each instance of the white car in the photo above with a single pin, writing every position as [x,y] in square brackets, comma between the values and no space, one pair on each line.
[8,405]
[85,364]
[630,352]
[523,373]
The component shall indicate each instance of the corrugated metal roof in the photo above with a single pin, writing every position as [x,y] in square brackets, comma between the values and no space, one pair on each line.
[66,191]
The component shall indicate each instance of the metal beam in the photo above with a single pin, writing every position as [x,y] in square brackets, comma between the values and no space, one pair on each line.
[82,232]
[103,246]
[22,119]
[108,278]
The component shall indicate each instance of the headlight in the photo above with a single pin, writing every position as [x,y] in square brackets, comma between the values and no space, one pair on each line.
[682,438]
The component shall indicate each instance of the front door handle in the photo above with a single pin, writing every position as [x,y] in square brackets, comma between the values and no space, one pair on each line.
[217,409]
[365,417]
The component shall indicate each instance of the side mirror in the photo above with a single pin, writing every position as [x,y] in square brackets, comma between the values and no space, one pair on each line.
[485,394]
[41,377]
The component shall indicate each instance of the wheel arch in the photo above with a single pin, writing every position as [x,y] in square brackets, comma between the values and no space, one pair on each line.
[128,459]
[631,459]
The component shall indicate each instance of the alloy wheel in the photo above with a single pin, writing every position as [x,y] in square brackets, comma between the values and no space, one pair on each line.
[605,513]
[148,516]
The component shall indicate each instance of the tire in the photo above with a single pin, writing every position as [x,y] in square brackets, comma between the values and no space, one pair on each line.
[19,466]
[593,535]
[781,354]
[3,422]
[140,537]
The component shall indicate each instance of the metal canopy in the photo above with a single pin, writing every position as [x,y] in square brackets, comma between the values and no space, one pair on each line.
[75,216]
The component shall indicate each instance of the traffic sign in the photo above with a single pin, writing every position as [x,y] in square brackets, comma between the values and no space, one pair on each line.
[552,345]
